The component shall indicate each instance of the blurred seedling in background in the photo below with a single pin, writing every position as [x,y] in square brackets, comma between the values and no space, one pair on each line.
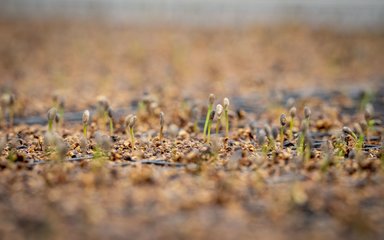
[195,119]
[211,100]
[219,111]
[210,120]
[102,111]
[283,123]
[161,125]
[368,116]
[303,130]
[348,132]
[101,150]
[292,115]
[7,106]
[269,135]
[261,141]
[52,118]
[103,145]
[130,122]
[110,119]
[226,118]
[59,104]
[85,119]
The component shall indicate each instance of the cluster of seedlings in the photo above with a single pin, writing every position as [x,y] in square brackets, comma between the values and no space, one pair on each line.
[295,138]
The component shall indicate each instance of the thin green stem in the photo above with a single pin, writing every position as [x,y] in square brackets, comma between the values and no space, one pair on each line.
[132,137]
[85,130]
[50,123]
[291,129]
[110,126]
[209,131]
[207,119]
[282,136]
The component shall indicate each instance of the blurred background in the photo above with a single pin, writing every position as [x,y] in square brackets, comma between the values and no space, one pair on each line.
[336,13]
[186,48]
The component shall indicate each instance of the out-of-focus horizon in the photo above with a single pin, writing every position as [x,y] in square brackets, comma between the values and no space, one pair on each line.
[340,14]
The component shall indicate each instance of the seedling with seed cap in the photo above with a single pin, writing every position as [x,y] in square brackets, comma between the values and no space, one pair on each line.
[85,122]
[271,140]
[210,107]
[52,116]
[131,124]
[161,125]
[59,104]
[219,111]
[226,119]
[210,119]
[7,103]
[292,114]
[110,117]
[283,123]
[368,115]
[195,117]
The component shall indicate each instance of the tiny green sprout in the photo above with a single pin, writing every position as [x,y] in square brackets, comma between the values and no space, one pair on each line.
[195,117]
[292,114]
[8,102]
[85,122]
[161,125]
[210,107]
[103,145]
[283,123]
[110,117]
[52,116]
[360,132]
[61,149]
[348,131]
[226,119]
[59,104]
[307,113]
[301,140]
[102,109]
[131,125]
[368,115]
[210,119]
[219,111]
[261,141]
[269,134]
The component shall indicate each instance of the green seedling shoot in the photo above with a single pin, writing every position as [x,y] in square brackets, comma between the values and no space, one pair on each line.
[219,111]
[283,123]
[131,121]
[210,120]
[226,119]
[210,106]
[8,102]
[52,116]
[85,122]
[161,125]
[110,117]
[292,114]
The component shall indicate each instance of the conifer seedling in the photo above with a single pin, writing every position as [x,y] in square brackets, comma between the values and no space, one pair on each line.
[110,118]
[292,114]
[283,123]
[210,107]
[85,122]
[52,116]
[210,119]
[161,125]
[226,119]
[219,111]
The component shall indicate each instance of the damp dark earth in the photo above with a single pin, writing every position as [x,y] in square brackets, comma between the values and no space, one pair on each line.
[122,132]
